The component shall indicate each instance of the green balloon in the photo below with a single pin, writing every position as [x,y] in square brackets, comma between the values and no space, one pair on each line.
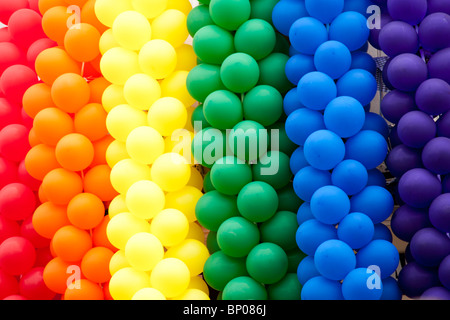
[223,109]
[198,119]
[219,269]
[205,1]
[257,201]
[295,256]
[244,288]
[272,70]
[273,168]
[212,44]
[230,14]
[207,184]
[211,242]
[288,199]
[281,230]
[208,146]
[267,263]
[237,237]
[248,140]
[202,80]
[239,72]
[262,9]
[213,208]
[197,18]
[282,44]
[229,175]
[288,288]
[263,104]
[255,37]
[279,140]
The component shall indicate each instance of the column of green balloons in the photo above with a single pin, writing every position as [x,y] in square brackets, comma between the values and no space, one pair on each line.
[249,203]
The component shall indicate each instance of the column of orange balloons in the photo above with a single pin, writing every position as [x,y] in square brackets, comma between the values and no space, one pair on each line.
[68,140]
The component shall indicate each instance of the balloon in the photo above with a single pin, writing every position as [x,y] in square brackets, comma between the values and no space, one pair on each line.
[148,294]
[14,143]
[334,259]
[324,149]
[435,156]
[126,282]
[71,243]
[17,201]
[150,9]
[324,10]
[61,185]
[12,55]
[55,275]
[170,171]
[170,276]
[198,18]
[123,226]
[82,203]
[407,220]
[208,146]
[321,288]
[32,285]
[429,247]
[438,6]
[441,123]
[229,14]
[95,264]
[304,213]
[438,65]
[359,84]
[229,175]
[107,14]
[381,253]
[223,109]
[396,104]
[170,26]
[119,73]
[443,272]
[287,199]
[263,104]
[74,152]
[330,204]
[419,187]
[402,159]
[267,263]
[297,161]
[368,147]
[48,218]
[203,80]
[307,34]
[433,31]
[87,290]
[312,233]
[131,30]
[374,201]
[436,293]
[299,65]
[24,25]
[243,65]
[157,58]
[70,92]
[416,128]
[301,123]
[81,42]
[376,122]
[430,96]
[332,58]
[244,288]
[350,28]
[410,12]
[414,279]
[92,113]
[122,119]
[355,285]
[167,115]
[285,13]
[17,255]
[145,199]
[97,181]
[141,91]
[144,251]
[236,236]
[316,90]
[438,212]
[223,205]
[248,140]
[192,252]
[112,97]
[170,226]
[398,37]
[213,44]
[15,80]
[54,62]
[145,144]
[99,236]
[9,113]
[273,168]
[307,270]
[407,71]
[262,194]
[309,179]
[184,200]
[220,268]
[363,60]
[350,176]
[356,229]
[255,37]
[280,230]
[344,116]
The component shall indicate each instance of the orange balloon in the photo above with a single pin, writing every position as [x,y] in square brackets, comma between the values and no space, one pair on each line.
[70,92]
[56,274]
[54,23]
[100,147]
[61,185]
[95,264]
[78,3]
[51,124]
[88,16]
[85,211]
[97,181]
[49,218]
[40,160]
[81,42]
[32,138]
[41,195]
[44,5]
[74,152]
[71,243]
[106,291]
[97,87]
[91,121]
[99,237]
[87,290]
[53,62]
[36,98]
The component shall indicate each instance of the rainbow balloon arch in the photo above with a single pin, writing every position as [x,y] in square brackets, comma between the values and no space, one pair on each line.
[224,150]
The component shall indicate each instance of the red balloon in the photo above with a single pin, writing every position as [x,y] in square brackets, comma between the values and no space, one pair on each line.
[43,257]
[32,285]
[26,179]
[8,172]
[27,121]
[14,143]
[11,55]
[15,80]
[17,255]
[9,113]
[27,231]
[8,228]
[15,297]
[4,35]
[17,201]
[37,47]
[8,285]
[8,7]
[25,27]
[34,5]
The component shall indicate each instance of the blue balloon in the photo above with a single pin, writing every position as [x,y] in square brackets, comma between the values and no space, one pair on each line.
[376,123]
[321,288]
[351,176]
[334,259]
[376,178]
[362,284]
[324,149]
[286,12]
[374,201]
[382,232]
[391,290]
[297,160]
[351,29]
[368,147]
[307,270]
[333,58]
[324,10]
[380,253]
[356,229]
[293,51]
[312,233]
[330,204]
[291,101]
[345,116]
[304,213]
[297,66]
[301,123]
[316,90]
[359,84]
[307,34]
[363,60]
[308,179]
[359,6]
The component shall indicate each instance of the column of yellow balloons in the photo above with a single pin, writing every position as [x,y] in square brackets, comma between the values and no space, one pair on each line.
[161,247]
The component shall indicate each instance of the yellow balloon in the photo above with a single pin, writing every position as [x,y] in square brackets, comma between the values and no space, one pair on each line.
[107,41]
[148,294]
[196,232]
[196,179]
[123,226]
[182,5]
[171,277]
[184,200]
[170,226]
[192,294]
[116,152]
[112,97]
[118,64]
[158,58]
[145,144]
[149,8]
[145,199]
[143,251]
[170,26]
[117,205]
[122,119]
[141,91]
[166,115]
[170,171]
[180,141]
[126,172]
[187,59]
[131,30]
[107,13]
[118,261]
[124,284]
[175,86]
[192,252]
[188,126]
[197,282]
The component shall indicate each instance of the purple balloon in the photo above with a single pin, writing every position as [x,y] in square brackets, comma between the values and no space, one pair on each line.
[394,140]
[402,159]
[384,75]
[419,187]
[433,96]
[407,71]
[374,35]
[439,212]
[410,11]
[396,104]
[416,128]
[436,293]
[436,155]
[429,247]
[398,37]
[443,125]
[406,221]
[444,272]
[438,6]
[434,32]
[439,65]
[445,184]
[414,279]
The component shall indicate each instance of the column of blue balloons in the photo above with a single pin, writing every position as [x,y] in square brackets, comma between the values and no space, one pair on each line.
[340,145]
